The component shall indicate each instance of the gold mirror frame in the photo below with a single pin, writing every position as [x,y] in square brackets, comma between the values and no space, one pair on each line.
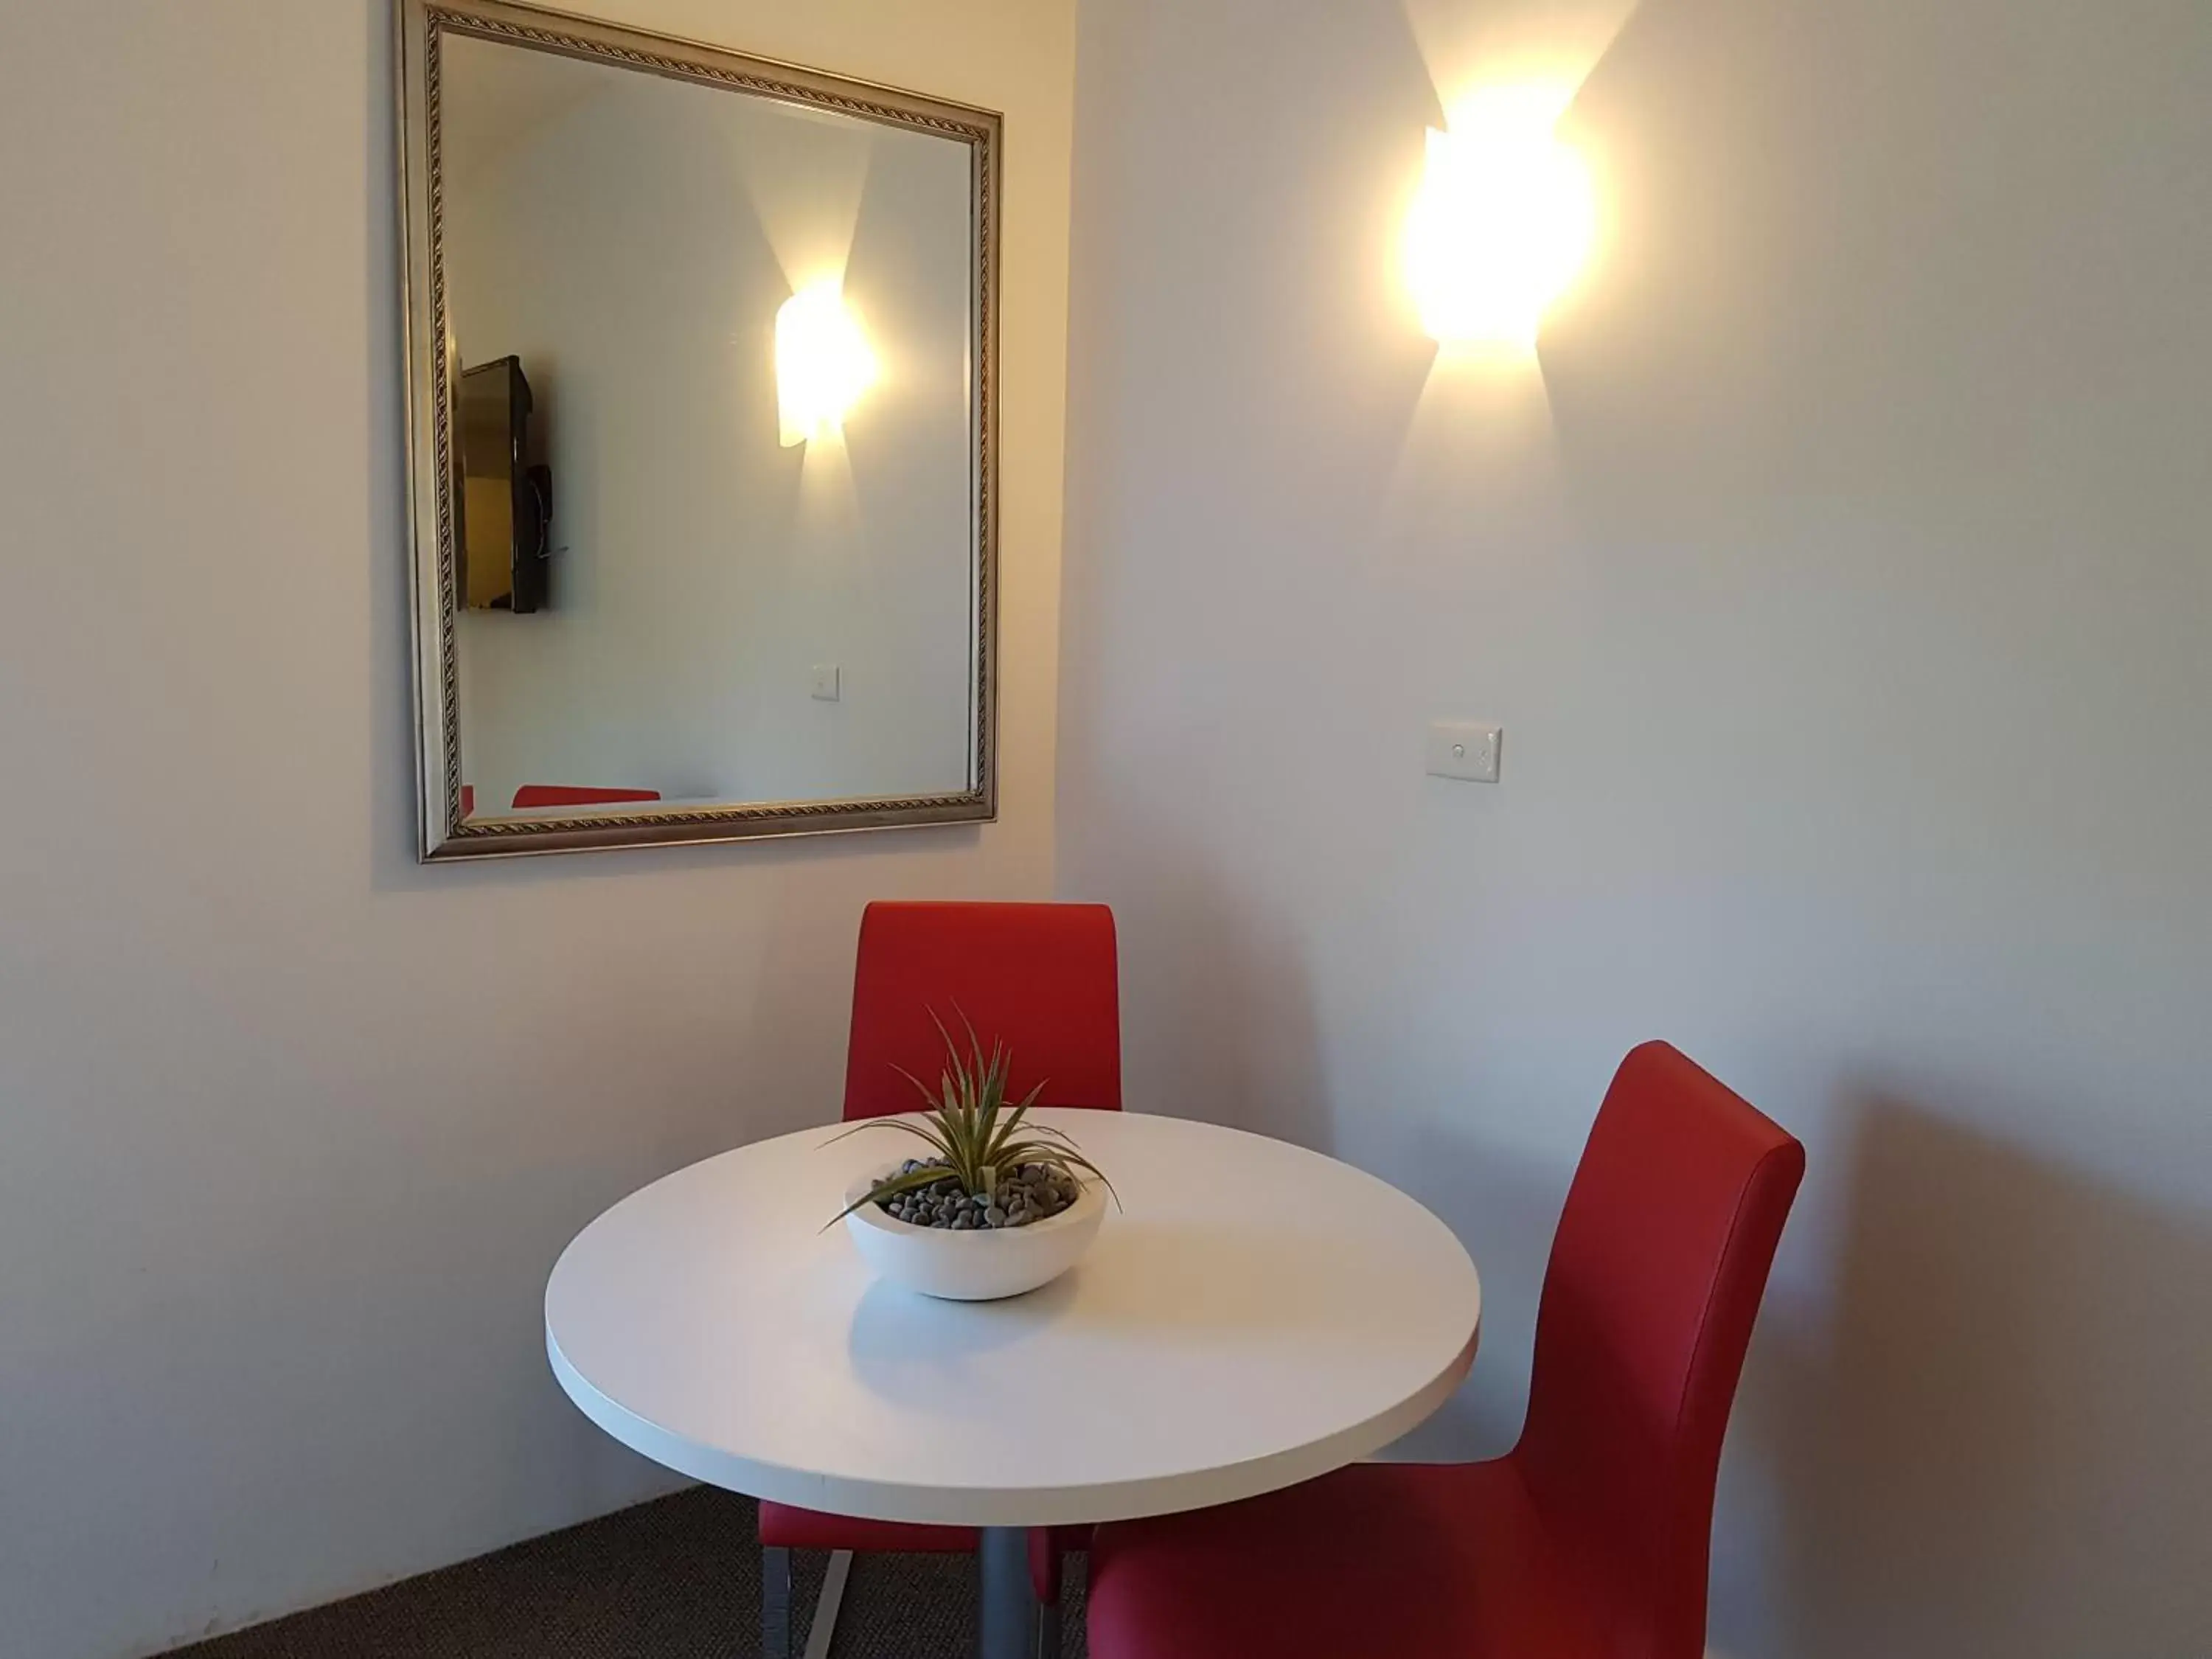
[432,428]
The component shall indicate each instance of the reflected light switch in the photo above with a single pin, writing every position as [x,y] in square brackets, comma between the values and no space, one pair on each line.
[1465,750]
[826,686]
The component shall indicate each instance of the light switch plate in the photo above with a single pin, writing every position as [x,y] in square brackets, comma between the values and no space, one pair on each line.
[827,687]
[1465,750]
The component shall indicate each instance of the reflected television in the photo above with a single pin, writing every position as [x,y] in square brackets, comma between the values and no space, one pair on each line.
[506,503]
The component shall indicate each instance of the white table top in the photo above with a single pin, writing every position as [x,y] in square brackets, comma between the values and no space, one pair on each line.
[1257,1315]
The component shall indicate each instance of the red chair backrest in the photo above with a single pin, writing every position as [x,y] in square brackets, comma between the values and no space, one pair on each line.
[1040,978]
[568,794]
[1655,1277]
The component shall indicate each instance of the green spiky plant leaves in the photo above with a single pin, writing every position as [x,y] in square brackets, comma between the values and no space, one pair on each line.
[974,1136]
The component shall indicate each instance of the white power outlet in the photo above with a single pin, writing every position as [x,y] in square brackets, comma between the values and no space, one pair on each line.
[828,683]
[1464,751]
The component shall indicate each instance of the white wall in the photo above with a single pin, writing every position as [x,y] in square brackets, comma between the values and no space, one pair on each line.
[621,248]
[1847,611]
[291,1128]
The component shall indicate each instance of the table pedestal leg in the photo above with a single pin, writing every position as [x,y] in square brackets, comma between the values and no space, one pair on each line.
[1010,1607]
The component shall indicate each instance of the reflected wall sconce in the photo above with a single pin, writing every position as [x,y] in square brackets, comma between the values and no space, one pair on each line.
[823,363]
[1502,223]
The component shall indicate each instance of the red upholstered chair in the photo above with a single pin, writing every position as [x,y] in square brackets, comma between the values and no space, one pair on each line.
[1042,979]
[1588,1540]
[567,794]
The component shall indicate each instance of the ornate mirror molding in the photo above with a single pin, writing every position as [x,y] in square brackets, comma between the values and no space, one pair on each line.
[650,577]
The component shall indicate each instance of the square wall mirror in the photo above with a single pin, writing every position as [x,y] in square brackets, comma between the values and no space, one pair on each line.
[701,360]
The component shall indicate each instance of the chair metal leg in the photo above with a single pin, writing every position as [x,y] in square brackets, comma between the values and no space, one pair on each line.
[819,1633]
[1048,1631]
[775,1604]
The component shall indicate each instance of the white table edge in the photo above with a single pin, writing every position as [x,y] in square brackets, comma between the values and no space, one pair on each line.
[1094,1502]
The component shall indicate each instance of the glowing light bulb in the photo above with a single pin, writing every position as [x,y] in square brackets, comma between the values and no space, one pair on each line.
[823,363]
[1502,223]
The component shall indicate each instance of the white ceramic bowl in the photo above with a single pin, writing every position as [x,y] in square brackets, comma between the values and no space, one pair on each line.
[981,1265]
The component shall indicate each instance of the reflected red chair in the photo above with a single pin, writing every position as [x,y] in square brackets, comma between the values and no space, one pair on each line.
[1042,979]
[567,795]
[1588,1540]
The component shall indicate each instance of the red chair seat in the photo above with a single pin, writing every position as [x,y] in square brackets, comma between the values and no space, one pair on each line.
[1413,1560]
[785,1526]
[534,795]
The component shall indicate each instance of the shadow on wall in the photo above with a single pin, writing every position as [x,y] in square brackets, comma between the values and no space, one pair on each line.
[1504,1207]
[2008,1448]
[1225,1027]
[1222,1030]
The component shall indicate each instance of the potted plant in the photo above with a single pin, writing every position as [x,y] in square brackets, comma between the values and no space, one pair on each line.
[998,1204]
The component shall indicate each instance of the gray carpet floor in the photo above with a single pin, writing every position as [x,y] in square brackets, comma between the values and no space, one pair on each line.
[675,1579]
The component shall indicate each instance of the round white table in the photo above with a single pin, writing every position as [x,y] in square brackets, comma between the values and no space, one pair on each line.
[1254,1316]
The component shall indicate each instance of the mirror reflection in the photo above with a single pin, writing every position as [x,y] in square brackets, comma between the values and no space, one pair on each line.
[717,536]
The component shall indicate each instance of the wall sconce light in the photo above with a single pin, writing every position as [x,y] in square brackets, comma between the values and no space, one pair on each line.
[823,363]
[1502,223]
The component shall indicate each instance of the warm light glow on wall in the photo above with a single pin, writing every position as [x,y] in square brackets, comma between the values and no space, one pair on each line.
[1503,221]
[823,363]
